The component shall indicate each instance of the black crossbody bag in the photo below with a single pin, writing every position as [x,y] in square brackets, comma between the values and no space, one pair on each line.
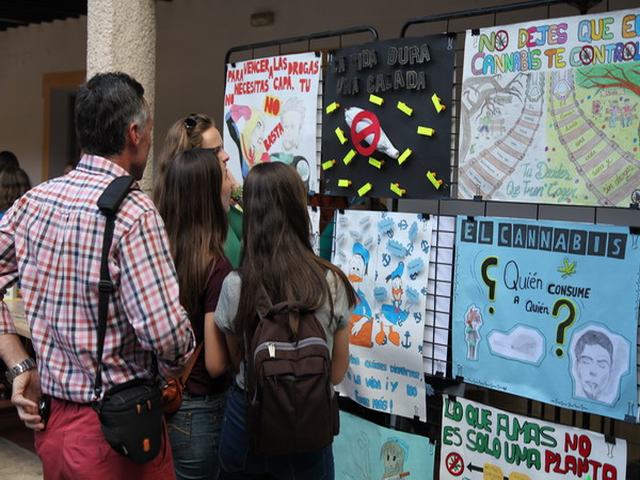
[130,414]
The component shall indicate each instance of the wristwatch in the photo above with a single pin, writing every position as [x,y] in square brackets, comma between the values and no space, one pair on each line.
[18,369]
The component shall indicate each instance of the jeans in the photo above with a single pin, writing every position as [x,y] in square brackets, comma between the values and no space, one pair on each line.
[237,462]
[194,432]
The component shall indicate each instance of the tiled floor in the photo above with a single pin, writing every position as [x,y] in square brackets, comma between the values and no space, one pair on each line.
[18,462]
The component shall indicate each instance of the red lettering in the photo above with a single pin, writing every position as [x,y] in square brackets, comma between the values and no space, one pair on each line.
[271,105]
[584,447]
[609,472]
[550,459]
[273,136]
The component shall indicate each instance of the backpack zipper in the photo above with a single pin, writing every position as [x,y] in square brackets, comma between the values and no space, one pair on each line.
[288,346]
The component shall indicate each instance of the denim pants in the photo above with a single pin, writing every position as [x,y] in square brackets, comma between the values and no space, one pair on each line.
[194,432]
[236,462]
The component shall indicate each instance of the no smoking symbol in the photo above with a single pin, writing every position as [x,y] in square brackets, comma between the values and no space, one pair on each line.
[455,464]
[502,40]
[364,126]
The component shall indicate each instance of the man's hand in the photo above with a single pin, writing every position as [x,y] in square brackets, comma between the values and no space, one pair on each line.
[26,393]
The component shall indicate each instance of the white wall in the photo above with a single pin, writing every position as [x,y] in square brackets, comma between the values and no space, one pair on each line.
[26,53]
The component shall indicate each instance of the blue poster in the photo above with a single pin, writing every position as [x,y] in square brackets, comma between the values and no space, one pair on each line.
[548,311]
[366,451]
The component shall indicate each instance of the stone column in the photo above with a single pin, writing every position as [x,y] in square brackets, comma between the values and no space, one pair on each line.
[121,36]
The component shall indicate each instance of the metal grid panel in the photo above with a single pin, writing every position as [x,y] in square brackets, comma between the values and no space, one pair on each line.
[437,354]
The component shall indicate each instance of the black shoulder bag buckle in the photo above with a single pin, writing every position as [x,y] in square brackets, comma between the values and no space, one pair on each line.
[130,414]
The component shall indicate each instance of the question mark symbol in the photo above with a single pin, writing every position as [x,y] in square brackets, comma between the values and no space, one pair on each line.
[562,326]
[489,282]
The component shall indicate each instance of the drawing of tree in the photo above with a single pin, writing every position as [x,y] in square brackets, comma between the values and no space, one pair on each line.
[487,94]
[611,76]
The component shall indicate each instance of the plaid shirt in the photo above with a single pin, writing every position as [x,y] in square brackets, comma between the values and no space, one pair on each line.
[52,239]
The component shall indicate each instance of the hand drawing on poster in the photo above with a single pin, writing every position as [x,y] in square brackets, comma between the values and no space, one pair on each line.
[366,451]
[537,312]
[550,111]
[387,119]
[386,258]
[270,111]
[479,441]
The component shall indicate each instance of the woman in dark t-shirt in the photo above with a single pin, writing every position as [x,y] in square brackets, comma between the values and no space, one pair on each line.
[194,205]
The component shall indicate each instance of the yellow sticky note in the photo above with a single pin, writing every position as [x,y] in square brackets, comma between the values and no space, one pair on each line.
[519,476]
[364,189]
[434,181]
[328,164]
[492,472]
[376,99]
[332,107]
[395,188]
[340,135]
[344,183]
[404,108]
[435,99]
[376,163]
[349,156]
[403,157]
[428,131]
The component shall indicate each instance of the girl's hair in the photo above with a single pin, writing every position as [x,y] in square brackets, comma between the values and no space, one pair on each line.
[14,182]
[195,219]
[183,135]
[277,247]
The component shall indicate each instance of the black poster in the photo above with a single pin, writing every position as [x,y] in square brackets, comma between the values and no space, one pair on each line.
[386,129]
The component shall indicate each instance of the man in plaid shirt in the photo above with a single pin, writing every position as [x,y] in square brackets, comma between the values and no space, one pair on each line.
[51,241]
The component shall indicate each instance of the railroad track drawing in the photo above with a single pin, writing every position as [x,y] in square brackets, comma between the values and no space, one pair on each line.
[610,173]
[485,173]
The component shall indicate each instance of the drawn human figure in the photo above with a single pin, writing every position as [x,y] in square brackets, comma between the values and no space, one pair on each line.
[593,357]
[394,454]
[393,313]
[292,118]
[485,122]
[614,113]
[249,138]
[361,321]
[627,113]
[473,322]
[596,108]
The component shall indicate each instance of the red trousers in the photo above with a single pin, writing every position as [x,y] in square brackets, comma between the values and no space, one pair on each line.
[73,447]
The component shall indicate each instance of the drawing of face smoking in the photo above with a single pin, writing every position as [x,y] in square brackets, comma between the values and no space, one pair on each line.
[599,358]
[292,118]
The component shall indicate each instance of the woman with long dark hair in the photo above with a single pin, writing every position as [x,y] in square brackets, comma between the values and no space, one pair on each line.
[194,201]
[278,256]
[197,130]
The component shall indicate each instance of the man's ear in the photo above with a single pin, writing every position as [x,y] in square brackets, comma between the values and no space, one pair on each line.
[134,134]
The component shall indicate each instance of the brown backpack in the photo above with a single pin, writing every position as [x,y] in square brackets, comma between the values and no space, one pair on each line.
[292,407]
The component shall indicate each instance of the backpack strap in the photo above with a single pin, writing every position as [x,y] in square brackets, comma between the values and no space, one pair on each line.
[109,204]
